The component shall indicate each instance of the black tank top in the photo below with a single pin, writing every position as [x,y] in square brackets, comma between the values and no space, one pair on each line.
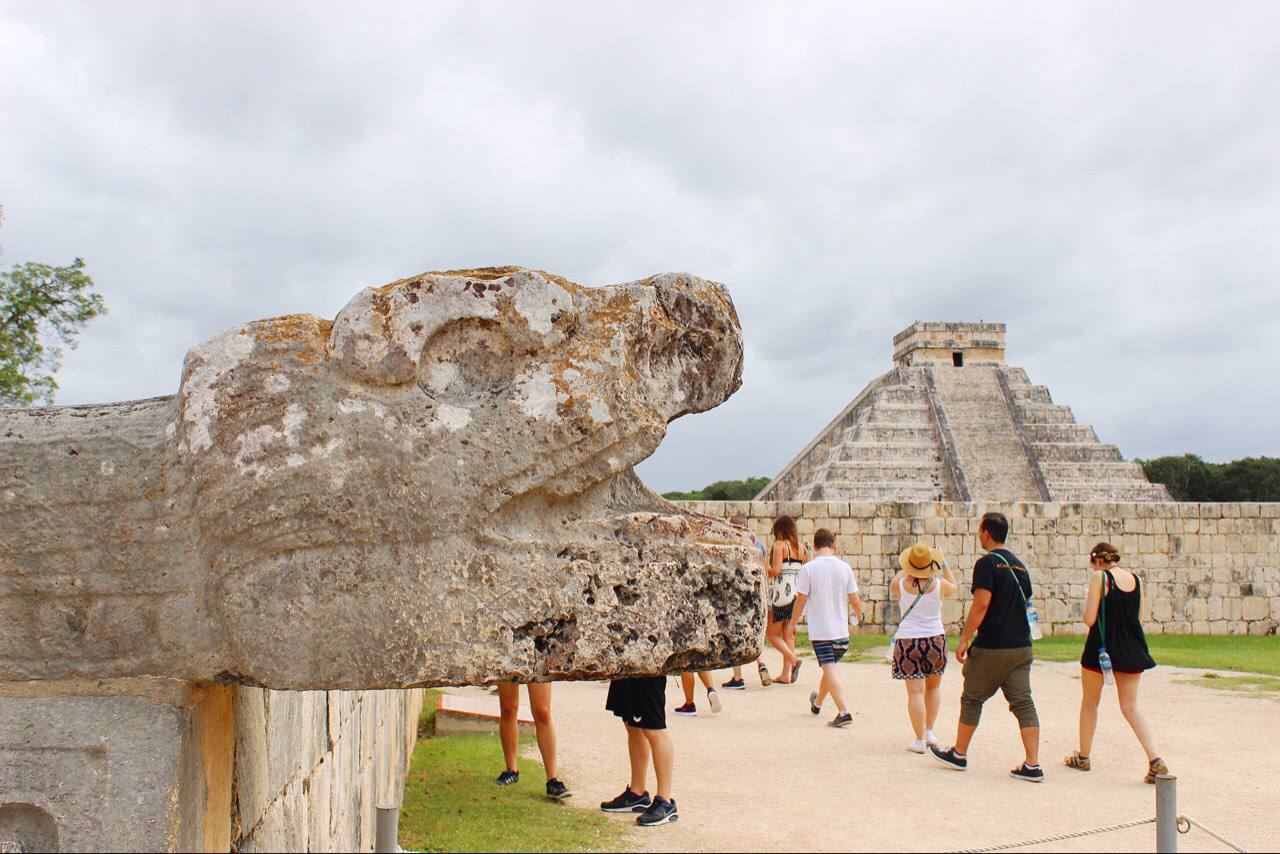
[1126,643]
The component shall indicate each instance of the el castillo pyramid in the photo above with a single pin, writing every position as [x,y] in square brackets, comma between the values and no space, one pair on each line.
[952,422]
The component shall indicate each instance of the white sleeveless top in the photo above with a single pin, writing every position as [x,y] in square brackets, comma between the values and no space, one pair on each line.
[925,619]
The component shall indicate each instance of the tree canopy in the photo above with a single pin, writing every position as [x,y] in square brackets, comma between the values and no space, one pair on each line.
[1190,478]
[723,490]
[41,306]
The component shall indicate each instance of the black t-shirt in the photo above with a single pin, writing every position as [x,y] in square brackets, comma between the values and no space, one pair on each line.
[1005,626]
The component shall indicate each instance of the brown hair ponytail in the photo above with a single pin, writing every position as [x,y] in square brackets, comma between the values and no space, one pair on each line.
[1104,553]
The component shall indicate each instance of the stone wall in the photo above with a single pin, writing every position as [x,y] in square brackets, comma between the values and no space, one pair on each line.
[311,766]
[1208,568]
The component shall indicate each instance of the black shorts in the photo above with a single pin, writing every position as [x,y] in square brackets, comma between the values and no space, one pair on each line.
[640,702]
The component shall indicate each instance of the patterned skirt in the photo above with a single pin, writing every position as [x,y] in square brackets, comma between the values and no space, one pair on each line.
[919,658]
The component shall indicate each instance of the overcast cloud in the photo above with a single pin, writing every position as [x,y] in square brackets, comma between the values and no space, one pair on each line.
[1102,177]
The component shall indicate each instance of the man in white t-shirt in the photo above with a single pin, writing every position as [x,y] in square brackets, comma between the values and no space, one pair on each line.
[828,587]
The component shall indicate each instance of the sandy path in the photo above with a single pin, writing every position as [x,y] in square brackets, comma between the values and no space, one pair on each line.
[765,775]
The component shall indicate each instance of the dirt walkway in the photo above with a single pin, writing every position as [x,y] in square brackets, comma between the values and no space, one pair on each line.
[764,775]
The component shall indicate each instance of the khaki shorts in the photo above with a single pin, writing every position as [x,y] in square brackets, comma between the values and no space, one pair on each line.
[991,670]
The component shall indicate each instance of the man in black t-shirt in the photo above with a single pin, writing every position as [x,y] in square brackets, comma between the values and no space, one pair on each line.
[999,657]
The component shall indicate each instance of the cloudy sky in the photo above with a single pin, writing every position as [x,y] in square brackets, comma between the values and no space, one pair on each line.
[1103,177]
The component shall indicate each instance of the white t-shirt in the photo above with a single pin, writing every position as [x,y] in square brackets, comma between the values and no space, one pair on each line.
[827,581]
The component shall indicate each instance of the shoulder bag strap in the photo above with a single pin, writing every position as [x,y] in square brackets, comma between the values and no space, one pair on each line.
[920,595]
[1102,608]
[1017,585]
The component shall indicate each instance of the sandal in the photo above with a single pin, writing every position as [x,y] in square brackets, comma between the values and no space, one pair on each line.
[795,670]
[765,679]
[1075,760]
[1156,766]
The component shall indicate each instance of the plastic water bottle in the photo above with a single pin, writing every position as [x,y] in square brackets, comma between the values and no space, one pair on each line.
[1033,620]
[1104,664]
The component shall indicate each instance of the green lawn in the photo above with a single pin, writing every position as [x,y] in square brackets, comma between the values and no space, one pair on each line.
[1243,653]
[1257,686]
[451,804]
[1246,654]
[859,646]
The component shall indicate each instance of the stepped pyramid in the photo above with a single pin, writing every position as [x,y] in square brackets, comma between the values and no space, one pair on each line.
[952,422]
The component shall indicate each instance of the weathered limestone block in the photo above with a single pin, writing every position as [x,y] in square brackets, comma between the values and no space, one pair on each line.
[128,765]
[434,488]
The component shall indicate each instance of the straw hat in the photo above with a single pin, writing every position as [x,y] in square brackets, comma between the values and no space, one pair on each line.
[920,560]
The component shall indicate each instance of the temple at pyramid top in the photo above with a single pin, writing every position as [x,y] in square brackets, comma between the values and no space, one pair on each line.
[952,421]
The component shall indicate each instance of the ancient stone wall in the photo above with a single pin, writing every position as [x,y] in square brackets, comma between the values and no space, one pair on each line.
[311,766]
[1208,568]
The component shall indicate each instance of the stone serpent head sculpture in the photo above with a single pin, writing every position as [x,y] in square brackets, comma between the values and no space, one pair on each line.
[434,488]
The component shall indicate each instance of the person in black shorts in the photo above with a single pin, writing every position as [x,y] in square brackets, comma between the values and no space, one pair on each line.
[641,703]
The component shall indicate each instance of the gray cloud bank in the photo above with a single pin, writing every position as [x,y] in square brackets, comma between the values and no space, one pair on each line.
[1103,178]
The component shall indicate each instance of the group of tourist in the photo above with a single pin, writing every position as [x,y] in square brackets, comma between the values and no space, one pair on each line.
[994,647]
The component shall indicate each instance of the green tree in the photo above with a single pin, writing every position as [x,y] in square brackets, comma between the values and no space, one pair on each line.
[1190,478]
[723,490]
[41,307]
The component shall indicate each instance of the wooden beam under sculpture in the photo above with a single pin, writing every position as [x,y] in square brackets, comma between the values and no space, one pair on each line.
[435,488]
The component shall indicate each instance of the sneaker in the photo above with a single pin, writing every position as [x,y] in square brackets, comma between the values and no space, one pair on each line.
[917,746]
[628,801]
[1155,767]
[949,757]
[765,679]
[841,720]
[506,778]
[689,710]
[734,685]
[814,708]
[659,812]
[930,738]
[557,791]
[713,700]
[1030,773]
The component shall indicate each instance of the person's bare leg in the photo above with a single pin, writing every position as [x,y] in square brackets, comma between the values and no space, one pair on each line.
[508,722]
[705,678]
[932,700]
[664,759]
[540,705]
[737,673]
[686,685]
[1090,694]
[831,685]
[964,735]
[915,705]
[774,636]
[638,751]
[1127,688]
[1031,744]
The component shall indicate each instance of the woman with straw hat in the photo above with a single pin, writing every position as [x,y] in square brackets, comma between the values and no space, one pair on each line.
[919,648]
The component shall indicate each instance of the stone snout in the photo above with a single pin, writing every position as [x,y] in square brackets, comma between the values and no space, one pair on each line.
[435,488]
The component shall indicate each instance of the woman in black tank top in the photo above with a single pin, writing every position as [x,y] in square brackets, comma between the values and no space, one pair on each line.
[1113,613]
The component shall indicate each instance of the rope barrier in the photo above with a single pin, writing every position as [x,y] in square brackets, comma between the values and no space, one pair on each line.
[1061,836]
[1189,821]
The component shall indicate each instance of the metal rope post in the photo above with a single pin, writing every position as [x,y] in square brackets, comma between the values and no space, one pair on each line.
[387,833]
[1166,814]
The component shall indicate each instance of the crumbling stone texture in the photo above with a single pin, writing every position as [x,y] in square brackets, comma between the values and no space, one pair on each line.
[435,488]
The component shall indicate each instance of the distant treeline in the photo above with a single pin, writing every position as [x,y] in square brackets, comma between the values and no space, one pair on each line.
[1190,478]
[723,490]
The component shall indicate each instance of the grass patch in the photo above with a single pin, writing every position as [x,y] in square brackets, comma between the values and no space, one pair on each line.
[1249,654]
[1258,686]
[860,646]
[451,804]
